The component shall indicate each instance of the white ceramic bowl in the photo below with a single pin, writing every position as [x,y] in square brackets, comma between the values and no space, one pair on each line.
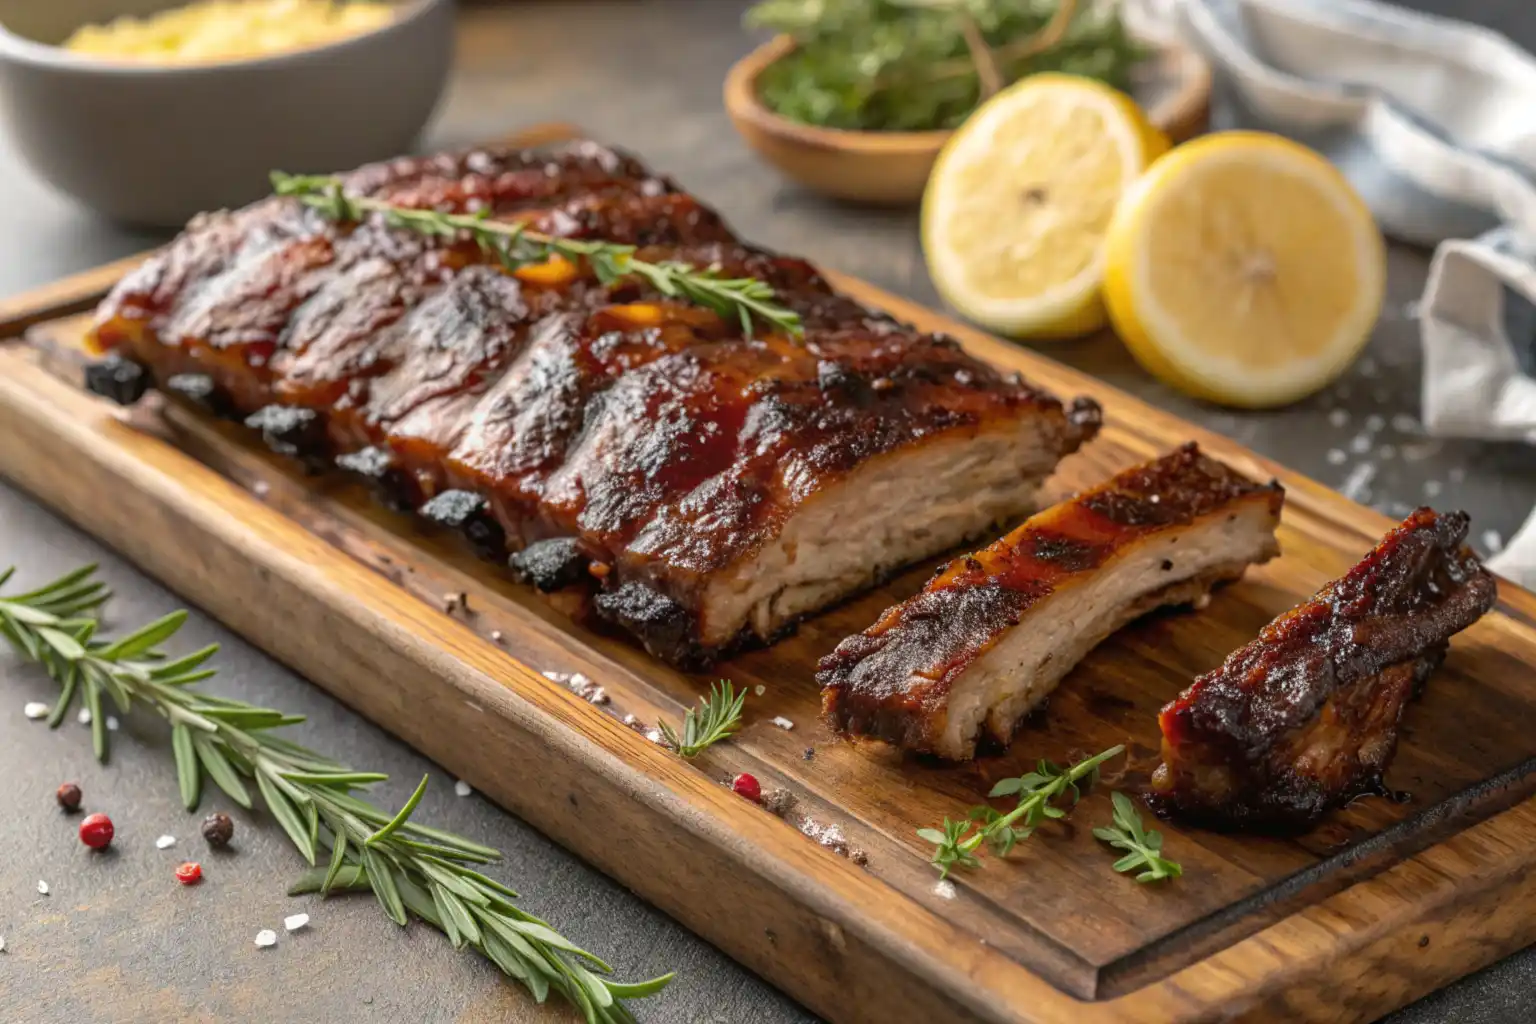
[154,144]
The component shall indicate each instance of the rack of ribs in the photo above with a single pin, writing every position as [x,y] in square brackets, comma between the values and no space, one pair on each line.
[696,486]
[1305,717]
[993,633]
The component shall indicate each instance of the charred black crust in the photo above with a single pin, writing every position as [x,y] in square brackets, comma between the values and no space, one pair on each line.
[200,390]
[289,430]
[1086,415]
[665,627]
[120,379]
[470,515]
[550,565]
[1396,608]
[1274,797]
[375,466]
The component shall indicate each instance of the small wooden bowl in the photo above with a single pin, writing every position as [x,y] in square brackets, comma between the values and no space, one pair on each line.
[890,168]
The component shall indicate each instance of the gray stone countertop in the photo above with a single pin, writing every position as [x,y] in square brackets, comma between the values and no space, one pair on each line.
[117,940]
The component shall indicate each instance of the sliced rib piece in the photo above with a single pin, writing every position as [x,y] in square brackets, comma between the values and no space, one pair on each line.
[992,634]
[635,452]
[1305,716]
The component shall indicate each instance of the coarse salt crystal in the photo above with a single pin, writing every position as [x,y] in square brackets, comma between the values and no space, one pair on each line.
[1360,445]
[462,788]
[165,842]
[944,889]
[1356,486]
[759,689]
[1405,424]
[2,943]
[1458,474]
[1493,541]
[295,922]
[112,723]
[1339,417]
[84,717]
[1337,457]
[34,709]
[783,723]
[1432,488]
[1374,423]
[266,937]
[42,887]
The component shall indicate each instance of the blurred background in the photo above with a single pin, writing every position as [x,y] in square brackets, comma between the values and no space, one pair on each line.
[649,75]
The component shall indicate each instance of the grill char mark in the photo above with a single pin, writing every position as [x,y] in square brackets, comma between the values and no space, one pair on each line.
[1304,717]
[649,430]
[893,681]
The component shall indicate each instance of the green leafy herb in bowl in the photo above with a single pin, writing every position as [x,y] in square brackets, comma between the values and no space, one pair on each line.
[924,65]
[855,98]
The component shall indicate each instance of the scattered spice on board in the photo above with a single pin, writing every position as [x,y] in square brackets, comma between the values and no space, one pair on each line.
[96,831]
[218,829]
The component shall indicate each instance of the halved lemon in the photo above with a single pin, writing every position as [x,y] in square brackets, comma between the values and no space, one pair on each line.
[1016,209]
[1244,269]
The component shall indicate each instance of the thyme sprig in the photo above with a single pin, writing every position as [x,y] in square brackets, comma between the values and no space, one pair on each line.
[1144,846]
[349,843]
[956,842]
[514,246]
[717,717]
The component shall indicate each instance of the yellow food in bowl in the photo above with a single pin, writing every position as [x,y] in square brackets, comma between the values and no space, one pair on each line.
[222,30]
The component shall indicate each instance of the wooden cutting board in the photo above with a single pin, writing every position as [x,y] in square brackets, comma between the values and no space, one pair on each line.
[1381,903]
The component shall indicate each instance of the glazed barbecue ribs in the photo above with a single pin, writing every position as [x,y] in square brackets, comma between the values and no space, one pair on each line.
[696,486]
[993,633]
[1305,717]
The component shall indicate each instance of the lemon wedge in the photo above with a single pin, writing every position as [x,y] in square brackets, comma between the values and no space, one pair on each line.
[1015,211]
[1244,269]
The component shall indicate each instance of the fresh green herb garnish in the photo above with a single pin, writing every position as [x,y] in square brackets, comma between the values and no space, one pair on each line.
[715,719]
[957,841]
[918,65]
[514,246]
[1145,847]
[350,843]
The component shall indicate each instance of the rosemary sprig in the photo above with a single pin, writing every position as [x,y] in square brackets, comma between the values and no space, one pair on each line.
[514,246]
[715,719]
[955,844]
[349,843]
[1145,846]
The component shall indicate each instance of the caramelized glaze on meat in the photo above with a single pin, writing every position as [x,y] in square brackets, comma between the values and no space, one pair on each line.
[1305,716]
[992,633]
[725,484]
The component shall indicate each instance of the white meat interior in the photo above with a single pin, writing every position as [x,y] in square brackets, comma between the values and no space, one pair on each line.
[1025,664]
[892,511]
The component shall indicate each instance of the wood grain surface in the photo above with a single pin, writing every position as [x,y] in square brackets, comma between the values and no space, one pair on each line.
[1383,902]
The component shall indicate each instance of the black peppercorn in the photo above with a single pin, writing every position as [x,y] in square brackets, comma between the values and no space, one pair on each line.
[218,829]
[69,796]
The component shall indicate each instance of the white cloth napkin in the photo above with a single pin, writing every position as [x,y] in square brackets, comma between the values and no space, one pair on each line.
[1434,122]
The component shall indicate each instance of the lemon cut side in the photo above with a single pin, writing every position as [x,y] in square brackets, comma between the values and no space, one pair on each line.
[1016,210]
[1244,269]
